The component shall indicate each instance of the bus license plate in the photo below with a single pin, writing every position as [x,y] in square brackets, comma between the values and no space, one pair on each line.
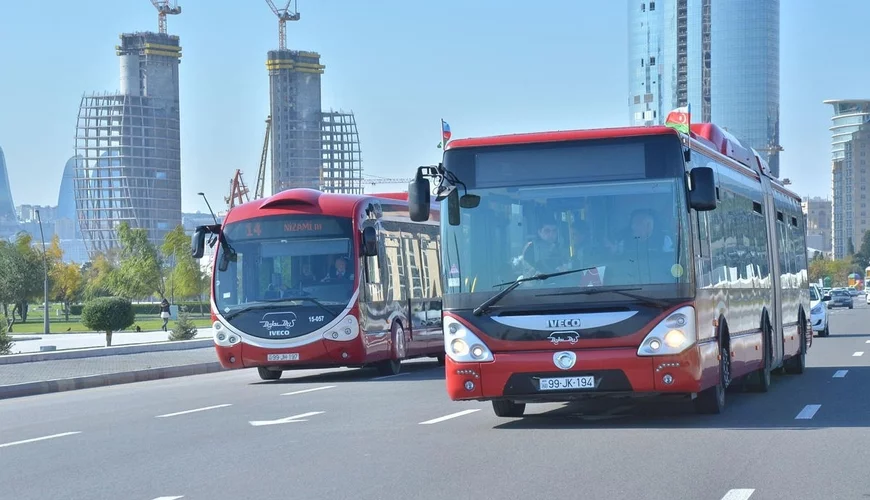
[291,356]
[552,384]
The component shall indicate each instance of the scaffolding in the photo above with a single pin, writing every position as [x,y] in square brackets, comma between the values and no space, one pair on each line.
[342,161]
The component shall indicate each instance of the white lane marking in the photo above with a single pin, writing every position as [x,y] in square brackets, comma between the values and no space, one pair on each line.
[287,420]
[867,341]
[808,412]
[25,441]
[859,353]
[169,498]
[448,417]
[840,373]
[739,494]
[391,376]
[303,391]
[185,412]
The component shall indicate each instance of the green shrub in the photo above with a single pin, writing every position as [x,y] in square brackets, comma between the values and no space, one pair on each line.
[108,314]
[150,309]
[5,339]
[184,328]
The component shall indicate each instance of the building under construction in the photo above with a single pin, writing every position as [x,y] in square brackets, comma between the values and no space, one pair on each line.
[341,171]
[130,146]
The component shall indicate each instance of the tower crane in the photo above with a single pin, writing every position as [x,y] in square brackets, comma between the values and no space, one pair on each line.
[238,191]
[284,15]
[163,9]
[261,177]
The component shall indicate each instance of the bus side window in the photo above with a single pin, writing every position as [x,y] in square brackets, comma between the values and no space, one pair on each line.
[372,275]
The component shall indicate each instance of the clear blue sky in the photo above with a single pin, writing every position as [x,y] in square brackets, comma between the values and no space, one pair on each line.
[485,66]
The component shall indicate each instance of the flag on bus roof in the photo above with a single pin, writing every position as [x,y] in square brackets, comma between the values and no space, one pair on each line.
[445,131]
[679,119]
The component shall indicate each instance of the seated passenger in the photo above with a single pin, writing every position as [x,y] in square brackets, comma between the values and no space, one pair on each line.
[340,272]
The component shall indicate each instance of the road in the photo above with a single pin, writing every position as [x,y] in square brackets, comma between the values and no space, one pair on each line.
[350,434]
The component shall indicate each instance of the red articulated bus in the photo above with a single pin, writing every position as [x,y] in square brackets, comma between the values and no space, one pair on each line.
[616,263]
[306,279]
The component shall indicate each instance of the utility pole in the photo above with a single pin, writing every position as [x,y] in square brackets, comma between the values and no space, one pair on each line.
[46,312]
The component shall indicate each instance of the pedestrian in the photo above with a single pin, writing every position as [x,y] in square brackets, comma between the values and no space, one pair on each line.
[164,313]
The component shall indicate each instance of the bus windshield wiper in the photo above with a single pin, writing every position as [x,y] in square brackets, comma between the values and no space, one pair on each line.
[621,291]
[482,308]
[267,303]
[309,299]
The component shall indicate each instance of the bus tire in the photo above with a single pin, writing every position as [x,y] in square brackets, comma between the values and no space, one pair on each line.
[711,401]
[795,365]
[759,380]
[267,374]
[508,409]
[440,358]
[393,365]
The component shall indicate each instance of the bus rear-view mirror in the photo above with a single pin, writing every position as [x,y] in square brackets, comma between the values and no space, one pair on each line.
[469,201]
[419,198]
[369,242]
[702,196]
[453,208]
[197,244]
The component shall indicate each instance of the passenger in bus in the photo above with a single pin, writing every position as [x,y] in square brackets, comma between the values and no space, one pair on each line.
[340,272]
[642,234]
[544,253]
[308,277]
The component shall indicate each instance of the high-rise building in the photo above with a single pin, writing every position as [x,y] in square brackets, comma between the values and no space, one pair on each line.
[818,213]
[720,57]
[7,206]
[294,101]
[341,171]
[130,146]
[850,153]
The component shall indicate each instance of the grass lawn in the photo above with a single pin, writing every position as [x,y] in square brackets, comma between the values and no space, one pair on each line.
[58,325]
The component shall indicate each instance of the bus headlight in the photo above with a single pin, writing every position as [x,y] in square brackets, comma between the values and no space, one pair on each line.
[672,335]
[461,345]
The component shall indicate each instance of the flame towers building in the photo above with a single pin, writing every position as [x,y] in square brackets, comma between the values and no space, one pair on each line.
[130,147]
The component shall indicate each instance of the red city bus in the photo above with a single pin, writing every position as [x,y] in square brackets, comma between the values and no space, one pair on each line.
[617,262]
[305,279]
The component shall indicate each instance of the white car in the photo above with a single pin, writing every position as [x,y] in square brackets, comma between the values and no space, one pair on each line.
[818,311]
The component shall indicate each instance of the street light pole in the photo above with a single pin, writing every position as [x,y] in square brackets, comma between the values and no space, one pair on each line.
[46,312]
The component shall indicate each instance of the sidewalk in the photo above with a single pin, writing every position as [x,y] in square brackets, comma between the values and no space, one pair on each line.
[41,377]
[32,342]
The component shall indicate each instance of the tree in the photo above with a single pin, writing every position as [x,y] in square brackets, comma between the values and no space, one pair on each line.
[6,342]
[185,278]
[184,328]
[21,276]
[850,247]
[108,314]
[139,273]
[862,258]
[67,284]
[97,276]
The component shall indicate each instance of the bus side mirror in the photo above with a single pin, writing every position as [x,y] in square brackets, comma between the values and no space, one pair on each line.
[702,197]
[419,198]
[197,244]
[369,242]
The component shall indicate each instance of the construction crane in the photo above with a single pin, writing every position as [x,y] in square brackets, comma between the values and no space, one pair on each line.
[163,9]
[238,191]
[261,177]
[284,15]
[374,180]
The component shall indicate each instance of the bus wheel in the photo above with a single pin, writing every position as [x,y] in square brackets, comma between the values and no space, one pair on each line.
[759,381]
[440,358]
[712,400]
[267,374]
[505,408]
[796,364]
[393,365]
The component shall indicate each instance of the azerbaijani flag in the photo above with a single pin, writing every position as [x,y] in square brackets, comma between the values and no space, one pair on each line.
[445,131]
[680,119]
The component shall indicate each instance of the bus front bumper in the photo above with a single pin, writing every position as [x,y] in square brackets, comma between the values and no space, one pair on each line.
[619,372]
[318,354]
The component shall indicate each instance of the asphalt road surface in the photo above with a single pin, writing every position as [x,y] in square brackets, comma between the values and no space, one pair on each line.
[350,434]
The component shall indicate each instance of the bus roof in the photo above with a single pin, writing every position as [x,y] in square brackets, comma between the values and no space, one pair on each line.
[710,135]
[307,200]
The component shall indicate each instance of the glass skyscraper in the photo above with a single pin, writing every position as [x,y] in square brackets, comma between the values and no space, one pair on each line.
[720,57]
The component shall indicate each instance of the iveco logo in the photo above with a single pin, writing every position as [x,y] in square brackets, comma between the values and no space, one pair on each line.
[564,323]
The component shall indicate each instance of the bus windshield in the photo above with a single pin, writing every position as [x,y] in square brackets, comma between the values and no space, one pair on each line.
[620,210]
[299,263]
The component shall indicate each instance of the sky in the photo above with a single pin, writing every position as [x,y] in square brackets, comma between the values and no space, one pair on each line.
[484,66]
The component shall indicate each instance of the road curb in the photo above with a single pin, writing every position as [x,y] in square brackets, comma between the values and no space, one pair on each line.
[91,381]
[91,352]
